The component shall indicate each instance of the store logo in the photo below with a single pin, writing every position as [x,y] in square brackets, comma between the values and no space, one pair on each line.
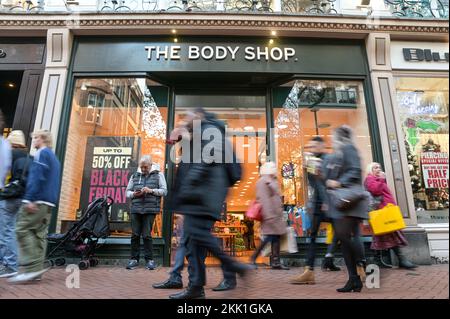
[219,53]
[2,54]
[412,54]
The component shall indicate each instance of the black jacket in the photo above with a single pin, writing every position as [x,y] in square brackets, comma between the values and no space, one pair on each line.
[21,161]
[201,188]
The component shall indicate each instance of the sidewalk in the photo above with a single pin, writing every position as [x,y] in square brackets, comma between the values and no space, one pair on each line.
[106,282]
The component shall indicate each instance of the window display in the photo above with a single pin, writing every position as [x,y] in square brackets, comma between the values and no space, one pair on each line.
[113,123]
[303,109]
[423,107]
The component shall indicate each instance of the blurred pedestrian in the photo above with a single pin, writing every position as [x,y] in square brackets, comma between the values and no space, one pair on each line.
[273,224]
[376,184]
[201,186]
[343,171]
[145,189]
[317,205]
[41,196]
[5,154]
[10,201]
[249,233]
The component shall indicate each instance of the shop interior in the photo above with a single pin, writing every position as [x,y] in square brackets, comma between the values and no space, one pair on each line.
[9,92]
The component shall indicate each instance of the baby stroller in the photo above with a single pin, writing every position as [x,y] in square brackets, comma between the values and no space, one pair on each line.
[81,239]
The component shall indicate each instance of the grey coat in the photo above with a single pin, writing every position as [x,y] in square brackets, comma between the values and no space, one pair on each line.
[268,195]
[346,169]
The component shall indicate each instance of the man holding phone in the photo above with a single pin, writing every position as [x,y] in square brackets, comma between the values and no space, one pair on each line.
[145,189]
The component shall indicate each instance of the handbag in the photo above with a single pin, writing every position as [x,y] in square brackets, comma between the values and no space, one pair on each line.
[346,198]
[386,220]
[16,188]
[254,211]
[330,234]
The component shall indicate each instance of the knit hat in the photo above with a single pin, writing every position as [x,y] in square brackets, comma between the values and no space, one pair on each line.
[268,168]
[17,137]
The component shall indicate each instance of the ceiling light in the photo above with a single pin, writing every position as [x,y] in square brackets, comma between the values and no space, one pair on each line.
[251,177]
[255,173]
[175,40]
[246,145]
[248,128]
[11,85]
[271,41]
[174,31]
[274,33]
[282,126]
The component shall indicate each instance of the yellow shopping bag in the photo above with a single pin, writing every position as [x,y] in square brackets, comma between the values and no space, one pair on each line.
[386,220]
[330,234]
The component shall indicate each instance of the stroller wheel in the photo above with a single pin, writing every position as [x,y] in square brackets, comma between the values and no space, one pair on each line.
[60,261]
[93,262]
[83,265]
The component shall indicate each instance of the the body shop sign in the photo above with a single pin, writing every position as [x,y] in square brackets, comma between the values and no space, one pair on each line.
[435,169]
[219,53]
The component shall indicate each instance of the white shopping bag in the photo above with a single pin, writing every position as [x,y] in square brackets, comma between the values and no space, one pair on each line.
[289,241]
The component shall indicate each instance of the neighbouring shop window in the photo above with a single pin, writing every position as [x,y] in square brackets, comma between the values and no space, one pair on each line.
[423,108]
[113,123]
[303,109]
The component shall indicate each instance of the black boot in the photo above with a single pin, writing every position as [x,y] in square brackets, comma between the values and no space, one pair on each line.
[403,262]
[354,284]
[276,264]
[328,264]
[225,285]
[379,261]
[191,292]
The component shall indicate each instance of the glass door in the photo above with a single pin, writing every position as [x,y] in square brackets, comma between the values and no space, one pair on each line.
[245,119]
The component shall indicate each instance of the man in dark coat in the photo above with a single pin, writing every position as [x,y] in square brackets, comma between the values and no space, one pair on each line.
[201,185]
[317,206]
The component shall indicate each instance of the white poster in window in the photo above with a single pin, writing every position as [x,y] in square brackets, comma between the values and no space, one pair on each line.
[435,169]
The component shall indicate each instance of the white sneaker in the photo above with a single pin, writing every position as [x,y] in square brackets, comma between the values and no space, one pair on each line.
[7,273]
[27,277]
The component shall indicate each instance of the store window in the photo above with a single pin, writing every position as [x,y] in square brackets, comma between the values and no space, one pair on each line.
[113,123]
[423,108]
[303,109]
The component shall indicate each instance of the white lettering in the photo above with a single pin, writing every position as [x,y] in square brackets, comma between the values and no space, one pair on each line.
[221,53]
[288,53]
[233,52]
[250,53]
[150,50]
[194,52]
[162,52]
[209,55]
[259,53]
[274,52]
[175,52]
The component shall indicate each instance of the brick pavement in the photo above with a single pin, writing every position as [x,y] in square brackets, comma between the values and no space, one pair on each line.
[112,282]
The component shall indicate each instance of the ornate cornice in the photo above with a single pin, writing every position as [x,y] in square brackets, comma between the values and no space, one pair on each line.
[215,21]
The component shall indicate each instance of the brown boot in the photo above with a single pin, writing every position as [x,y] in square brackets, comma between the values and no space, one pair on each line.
[307,278]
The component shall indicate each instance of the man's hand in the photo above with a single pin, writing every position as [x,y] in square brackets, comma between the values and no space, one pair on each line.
[324,207]
[333,184]
[147,190]
[137,194]
[31,208]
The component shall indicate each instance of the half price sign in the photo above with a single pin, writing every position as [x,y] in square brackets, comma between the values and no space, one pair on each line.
[435,169]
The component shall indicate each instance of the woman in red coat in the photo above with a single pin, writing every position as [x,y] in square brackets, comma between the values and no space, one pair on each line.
[375,183]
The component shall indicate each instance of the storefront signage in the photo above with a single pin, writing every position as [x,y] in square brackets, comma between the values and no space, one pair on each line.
[107,170]
[435,169]
[218,53]
[287,56]
[2,54]
[414,54]
[415,104]
[419,55]
[22,53]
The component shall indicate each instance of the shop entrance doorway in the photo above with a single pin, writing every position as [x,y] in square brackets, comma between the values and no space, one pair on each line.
[245,117]
[10,82]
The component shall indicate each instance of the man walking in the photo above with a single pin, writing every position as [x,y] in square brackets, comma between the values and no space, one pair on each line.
[200,190]
[317,204]
[145,188]
[41,195]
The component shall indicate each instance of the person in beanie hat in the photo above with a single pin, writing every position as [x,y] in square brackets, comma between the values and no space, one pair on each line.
[10,205]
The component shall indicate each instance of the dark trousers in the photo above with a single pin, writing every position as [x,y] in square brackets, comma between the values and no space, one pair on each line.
[275,241]
[249,240]
[199,241]
[347,232]
[317,219]
[141,225]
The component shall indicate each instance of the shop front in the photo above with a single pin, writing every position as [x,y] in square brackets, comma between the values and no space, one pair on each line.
[420,71]
[22,63]
[126,94]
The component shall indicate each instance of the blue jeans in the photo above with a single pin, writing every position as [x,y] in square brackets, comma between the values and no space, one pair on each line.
[8,241]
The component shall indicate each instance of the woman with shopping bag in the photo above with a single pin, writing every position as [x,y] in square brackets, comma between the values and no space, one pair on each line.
[272,224]
[375,183]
